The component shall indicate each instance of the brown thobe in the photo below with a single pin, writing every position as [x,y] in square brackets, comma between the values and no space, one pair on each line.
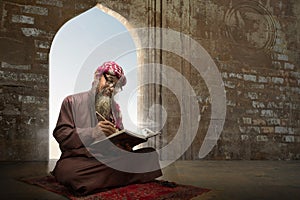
[80,167]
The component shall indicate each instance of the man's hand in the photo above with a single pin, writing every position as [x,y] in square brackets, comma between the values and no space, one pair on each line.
[107,127]
[104,128]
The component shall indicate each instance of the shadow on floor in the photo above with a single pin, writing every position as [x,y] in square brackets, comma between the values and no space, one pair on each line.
[232,180]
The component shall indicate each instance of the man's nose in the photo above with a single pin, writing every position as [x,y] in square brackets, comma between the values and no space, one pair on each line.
[110,90]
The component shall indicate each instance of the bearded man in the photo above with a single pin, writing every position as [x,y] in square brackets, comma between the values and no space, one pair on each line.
[83,168]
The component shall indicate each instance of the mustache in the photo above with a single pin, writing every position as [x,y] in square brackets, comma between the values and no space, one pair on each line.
[106,90]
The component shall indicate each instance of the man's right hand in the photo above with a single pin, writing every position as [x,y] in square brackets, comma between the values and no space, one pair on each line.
[107,127]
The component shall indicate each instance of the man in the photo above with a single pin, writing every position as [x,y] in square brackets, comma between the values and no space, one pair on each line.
[83,168]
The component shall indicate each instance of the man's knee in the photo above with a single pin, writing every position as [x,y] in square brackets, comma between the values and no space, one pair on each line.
[64,172]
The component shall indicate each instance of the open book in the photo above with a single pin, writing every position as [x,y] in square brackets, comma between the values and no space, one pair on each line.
[125,136]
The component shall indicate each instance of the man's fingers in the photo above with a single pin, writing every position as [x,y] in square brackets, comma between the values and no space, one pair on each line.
[106,131]
[107,123]
[107,127]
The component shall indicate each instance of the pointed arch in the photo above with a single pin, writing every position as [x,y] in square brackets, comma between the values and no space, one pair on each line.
[72,45]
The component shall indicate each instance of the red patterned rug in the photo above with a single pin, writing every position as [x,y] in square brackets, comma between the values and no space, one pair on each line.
[156,190]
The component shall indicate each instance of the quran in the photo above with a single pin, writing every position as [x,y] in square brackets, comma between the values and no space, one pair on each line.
[125,136]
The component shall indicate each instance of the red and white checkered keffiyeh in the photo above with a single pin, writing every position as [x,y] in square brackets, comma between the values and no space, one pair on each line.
[113,69]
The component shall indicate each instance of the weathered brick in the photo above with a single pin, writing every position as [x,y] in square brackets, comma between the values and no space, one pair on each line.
[50,2]
[10,66]
[32,100]
[235,75]
[230,103]
[282,97]
[82,6]
[229,84]
[248,77]
[34,32]
[277,64]
[22,19]
[273,105]
[267,129]
[281,130]
[277,80]
[41,56]
[37,10]
[256,104]
[33,77]
[262,79]
[295,74]
[243,129]
[283,57]
[224,75]
[295,90]
[31,32]
[291,130]
[42,44]
[260,122]
[273,121]
[258,86]
[247,120]
[288,138]
[289,66]
[244,137]
[252,111]
[249,129]
[262,138]
[252,95]
[5,75]
[268,113]
[277,48]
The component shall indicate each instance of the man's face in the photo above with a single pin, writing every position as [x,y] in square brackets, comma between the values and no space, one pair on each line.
[108,85]
[106,89]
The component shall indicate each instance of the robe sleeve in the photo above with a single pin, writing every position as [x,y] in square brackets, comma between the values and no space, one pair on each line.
[66,133]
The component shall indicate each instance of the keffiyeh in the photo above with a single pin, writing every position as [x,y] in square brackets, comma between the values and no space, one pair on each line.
[113,69]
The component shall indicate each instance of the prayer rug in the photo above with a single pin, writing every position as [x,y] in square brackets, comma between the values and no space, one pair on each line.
[156,190]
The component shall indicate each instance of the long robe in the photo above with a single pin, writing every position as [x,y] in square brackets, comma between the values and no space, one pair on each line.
[80,167]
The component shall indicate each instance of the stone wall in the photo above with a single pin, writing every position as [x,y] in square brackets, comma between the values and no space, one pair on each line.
[255,45]
[26,32]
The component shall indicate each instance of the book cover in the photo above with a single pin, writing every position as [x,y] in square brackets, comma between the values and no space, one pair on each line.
[125,136]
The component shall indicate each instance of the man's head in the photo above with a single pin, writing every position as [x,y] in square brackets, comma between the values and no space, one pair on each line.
[111,80]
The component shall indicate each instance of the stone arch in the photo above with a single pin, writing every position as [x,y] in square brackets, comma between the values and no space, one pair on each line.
[72,44]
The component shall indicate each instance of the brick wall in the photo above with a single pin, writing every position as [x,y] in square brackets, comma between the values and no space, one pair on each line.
[26,32]
[254,45]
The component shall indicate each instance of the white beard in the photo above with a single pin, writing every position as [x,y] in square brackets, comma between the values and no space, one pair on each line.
[103,105]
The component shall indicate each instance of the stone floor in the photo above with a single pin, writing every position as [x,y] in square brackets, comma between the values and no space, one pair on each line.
[232,180]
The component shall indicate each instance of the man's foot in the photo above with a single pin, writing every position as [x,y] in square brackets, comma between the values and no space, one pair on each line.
[166,183]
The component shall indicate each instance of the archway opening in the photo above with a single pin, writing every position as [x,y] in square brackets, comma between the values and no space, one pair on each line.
[72,46]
